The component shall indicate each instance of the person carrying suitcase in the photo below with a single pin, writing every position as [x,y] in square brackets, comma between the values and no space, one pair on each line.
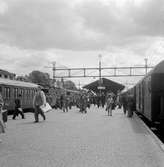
[38,101]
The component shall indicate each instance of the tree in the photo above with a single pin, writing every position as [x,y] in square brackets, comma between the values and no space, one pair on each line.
[66,84]
[23,78]
[40,78]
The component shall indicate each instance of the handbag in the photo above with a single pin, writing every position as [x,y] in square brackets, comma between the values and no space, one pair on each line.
[20,109]
[46,107]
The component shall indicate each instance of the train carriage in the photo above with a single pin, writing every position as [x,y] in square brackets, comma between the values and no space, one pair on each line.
[12,88]
[150,94]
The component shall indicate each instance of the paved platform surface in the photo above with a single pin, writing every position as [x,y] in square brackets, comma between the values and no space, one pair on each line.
[74,139]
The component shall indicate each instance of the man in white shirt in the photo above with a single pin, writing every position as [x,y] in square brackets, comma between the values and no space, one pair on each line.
[39,100]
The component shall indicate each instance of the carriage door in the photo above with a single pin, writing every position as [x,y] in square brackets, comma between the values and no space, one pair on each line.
[140,109]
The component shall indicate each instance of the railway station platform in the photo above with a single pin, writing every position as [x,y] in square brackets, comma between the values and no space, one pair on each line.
[74,139]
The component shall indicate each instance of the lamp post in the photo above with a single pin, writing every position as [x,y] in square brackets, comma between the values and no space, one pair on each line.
[54,68]
[146,60]
[100,80]
[100,56]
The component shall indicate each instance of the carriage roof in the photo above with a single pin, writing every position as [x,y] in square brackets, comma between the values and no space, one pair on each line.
[17,83]
[158,69]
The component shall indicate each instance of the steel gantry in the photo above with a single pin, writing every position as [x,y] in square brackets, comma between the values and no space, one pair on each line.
[110,72]
[99,72]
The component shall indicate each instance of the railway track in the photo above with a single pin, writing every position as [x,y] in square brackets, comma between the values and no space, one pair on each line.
[155,128]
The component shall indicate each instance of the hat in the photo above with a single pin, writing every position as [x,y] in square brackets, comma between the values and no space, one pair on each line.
[40,87]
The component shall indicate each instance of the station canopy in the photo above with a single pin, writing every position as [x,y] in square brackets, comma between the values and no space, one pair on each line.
[105,85]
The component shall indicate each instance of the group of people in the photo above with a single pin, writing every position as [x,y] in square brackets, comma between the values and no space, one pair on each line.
[121,100]
[38,101]
[82,102]
[128,104]
[110,100]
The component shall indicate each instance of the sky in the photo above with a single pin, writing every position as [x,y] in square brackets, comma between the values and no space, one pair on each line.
[36,33]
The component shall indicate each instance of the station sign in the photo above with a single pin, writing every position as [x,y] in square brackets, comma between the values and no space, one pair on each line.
[101,87]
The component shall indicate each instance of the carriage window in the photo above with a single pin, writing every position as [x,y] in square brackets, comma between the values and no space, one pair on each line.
[27,94]
[24,93]
[15,92]
[21,92]
[31,93]
[7,92]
